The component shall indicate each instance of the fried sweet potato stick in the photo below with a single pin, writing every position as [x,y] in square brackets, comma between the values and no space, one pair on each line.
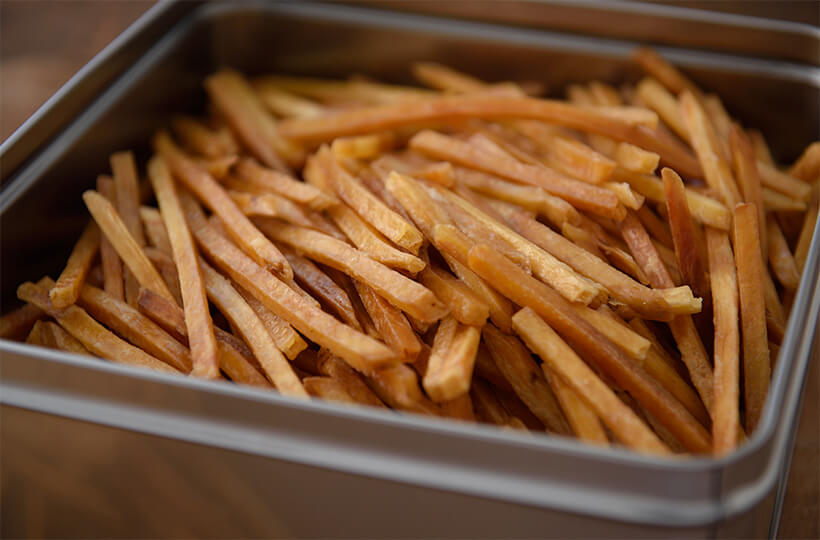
[660,100]
[703,138]
[450,367]
[35,336]
[726,416]
[780,257]
[579,194]
[663,71]
[748,178]
[126,246]
[574,372]
[581,417]
[391,323]
[67,289]
[516,364]
[269,205]
[155,229]
[369,207]
[194,300]
[465,306]
[55,337]
[127,195]
[362,352]
[110,261]
[807,166]
[16,324]
[756,363]
[251,122]
[101,342]
[343,92]
[286,104]
[683,328]
[234,307]
[202,140]
[400,291]
[284,185]
[489,409]
[331,366]
[211,193]
[526,291]
[327,389]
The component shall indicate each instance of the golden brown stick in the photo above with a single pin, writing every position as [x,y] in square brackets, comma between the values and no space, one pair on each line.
[464,304]
[284,185]
[517,366]
[135,327]
[660,100]
[400,291]
[110,261]
[101,342]
[726,416]
[526,291]
[368,207]
[286,104]
[155,229]
[332,366]
[685,237]
[807,166]
[703,137]
[197,315]
[663,71]
[67,289]
[683,328]
[749,179]
[579,194]
[36,337]
[126,246]
[286,338]
[234,307]
[780,258]
[16,324]
[801,251]
[235,358]
[581,417]
[127,193]
[201,139]
[391,323]
[565,362]
[318,284]
[360,351]
[777,202]
[343,92]
[783,183]
[328,389]
[398,387]
[756,364]
[55,337]
[211,193]
[450,367]
[254,126]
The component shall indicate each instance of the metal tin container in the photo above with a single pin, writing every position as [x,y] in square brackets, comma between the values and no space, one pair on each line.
[92,448]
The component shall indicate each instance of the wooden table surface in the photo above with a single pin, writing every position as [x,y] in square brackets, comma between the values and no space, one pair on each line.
[43,43]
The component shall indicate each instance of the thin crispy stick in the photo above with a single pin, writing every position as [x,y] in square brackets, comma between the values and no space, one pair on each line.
[705,209]
[135,327]
[782,182]
[327,389]
[360,351]
[450,366]
[194,300]
[465,306]
[16,324]
[331,366]
[652,303]
[101,342]
[211,193]
[660,100]
[658,229]
[340,92]
[368,207]
[702,135]
[110,261]
[761,148]
[398,387]
[390,322]
[286,104]
[235,358]
[127,194]
[362,316]
[621,335]
[251,122]
[565,362]
[55,337]
[527,291]
[67,289]
[202,140]
[581,417]
[807,166]
[268,205]
[663,71]
[400,291]
[777,202]
[234,307]
[726,417]
[126,246]
[749,179]
[155,229]
[683,328]
[284,185]
[517,366]
[359,232]
[756,363]
[685,237]
[579,194]
[780,258]
[801,251]
[284,336]
[319,285]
